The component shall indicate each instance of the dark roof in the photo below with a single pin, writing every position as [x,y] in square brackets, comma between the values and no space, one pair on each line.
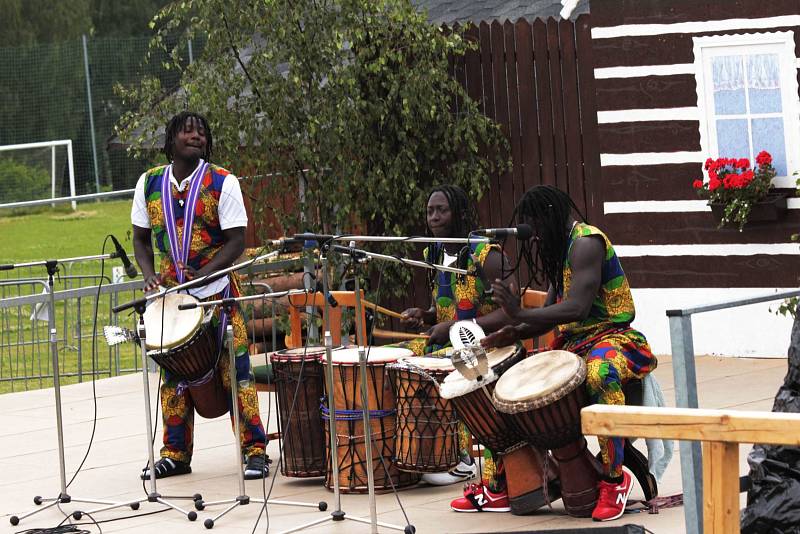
[450,11]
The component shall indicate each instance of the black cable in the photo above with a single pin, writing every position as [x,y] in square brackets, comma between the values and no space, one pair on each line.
[94,362]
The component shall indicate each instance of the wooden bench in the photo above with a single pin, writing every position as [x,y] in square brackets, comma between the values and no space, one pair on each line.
[721,431]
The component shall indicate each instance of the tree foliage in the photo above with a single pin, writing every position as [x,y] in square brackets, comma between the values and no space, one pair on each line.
[354,100]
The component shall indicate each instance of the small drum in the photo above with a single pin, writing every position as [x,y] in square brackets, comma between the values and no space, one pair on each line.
[472,400]
[184,343]
[299,381]
[427,425]
[349,427]
[543,396]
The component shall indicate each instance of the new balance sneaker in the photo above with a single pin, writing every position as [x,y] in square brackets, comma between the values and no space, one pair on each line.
[257,467]
[479,498]
[460,473]
[612,499]
[167,467]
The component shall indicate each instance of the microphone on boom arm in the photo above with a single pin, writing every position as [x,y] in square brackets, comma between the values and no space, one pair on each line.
[520,231]
[130,270]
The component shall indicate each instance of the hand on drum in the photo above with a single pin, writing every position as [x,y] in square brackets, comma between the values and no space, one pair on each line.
[507,296]
[508,335]
[413,318]
[151,283]
[440,333]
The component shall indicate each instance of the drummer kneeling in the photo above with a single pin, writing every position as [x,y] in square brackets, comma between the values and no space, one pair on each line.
[590,303]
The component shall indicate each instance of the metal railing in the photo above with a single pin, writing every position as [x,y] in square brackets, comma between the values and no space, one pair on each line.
[25,359]
[683,368]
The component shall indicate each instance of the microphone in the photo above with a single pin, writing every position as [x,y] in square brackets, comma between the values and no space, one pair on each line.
[285,242]
[520,231]
[329,296]
[130,270]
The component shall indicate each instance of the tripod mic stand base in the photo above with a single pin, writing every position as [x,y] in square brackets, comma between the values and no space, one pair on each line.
[64,498]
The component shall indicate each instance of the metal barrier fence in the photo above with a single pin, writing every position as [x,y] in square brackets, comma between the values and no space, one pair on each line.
[25,357]
[683,368]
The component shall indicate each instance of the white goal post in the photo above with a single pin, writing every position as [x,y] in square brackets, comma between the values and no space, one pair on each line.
[53,172]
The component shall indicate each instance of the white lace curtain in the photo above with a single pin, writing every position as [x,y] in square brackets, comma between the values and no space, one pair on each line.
[762,72]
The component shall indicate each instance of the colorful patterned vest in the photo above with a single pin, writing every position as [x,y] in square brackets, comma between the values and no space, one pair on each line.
[457,297]
[613,306]
[207,238]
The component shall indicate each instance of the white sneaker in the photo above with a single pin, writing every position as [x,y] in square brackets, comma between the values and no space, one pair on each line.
[460,473]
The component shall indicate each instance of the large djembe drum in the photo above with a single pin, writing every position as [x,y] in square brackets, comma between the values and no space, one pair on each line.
[472,398]
[426,438]
[349,424]
[185,343]
[542,398]
[299,384]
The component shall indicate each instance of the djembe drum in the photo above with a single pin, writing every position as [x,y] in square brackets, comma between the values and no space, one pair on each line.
[299,384]
[349,422]
[184,342]
[542,397]
[472,399]
[426,438]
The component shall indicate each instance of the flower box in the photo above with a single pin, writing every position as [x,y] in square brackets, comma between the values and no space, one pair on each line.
[770,209]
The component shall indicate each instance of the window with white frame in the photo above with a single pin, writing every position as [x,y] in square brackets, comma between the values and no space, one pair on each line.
[748,98]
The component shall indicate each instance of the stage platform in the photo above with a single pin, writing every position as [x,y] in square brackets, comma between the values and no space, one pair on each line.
[29,464]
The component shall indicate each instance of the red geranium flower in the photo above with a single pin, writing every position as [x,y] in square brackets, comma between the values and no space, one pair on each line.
[697,184]
[764,158]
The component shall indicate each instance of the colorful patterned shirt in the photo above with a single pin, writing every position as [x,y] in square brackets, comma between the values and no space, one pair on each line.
[613,305]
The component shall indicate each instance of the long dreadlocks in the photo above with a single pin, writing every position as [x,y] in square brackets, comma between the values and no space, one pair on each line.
[547,209]
[461,223]
[176,125]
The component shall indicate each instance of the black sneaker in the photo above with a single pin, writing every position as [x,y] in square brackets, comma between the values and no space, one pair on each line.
[167,467]
[257,467]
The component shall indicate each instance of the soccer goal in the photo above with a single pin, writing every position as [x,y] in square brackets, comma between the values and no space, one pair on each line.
[35,172]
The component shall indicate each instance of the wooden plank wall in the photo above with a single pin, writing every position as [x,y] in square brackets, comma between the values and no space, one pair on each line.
[671,47]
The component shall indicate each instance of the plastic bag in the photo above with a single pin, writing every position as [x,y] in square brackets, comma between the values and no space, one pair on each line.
[773,502]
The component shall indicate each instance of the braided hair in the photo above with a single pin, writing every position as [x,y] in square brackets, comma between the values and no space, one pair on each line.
[462,222]
[176,125]
[547,209]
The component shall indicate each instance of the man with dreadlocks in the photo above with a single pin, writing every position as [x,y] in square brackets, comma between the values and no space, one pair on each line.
[449,213]
[589,301]
[196,214]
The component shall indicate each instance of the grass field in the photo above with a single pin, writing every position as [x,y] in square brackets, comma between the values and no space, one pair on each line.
[59,233]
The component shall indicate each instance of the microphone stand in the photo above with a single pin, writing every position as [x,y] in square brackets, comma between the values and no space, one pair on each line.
[63,497]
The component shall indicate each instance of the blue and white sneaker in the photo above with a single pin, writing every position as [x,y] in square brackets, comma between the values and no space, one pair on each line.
[459,474]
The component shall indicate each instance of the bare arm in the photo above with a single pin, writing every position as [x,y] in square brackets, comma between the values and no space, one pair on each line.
[586,259]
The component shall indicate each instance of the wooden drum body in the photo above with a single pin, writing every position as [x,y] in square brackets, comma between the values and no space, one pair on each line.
[426,439]
[542,397]
[299,382]
[349,423]
[472,399]
[184,343]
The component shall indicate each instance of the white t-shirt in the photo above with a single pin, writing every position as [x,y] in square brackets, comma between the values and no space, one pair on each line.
[230,210]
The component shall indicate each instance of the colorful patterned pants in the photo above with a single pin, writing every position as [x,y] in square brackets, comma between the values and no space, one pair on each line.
[611,361]
[178,409]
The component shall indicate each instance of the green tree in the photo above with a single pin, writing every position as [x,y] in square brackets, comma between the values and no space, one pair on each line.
[353,99]
[43,21]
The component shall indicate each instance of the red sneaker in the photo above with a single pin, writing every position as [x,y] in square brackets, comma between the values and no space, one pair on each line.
[479,498]
[612,499]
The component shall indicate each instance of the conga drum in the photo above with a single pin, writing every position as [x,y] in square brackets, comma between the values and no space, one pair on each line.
[542,397]
[184,343]
[426,436]
[299,385]
[349,423]
[472,399]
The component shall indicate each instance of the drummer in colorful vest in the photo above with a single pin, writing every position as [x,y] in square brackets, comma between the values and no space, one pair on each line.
[589,301]
[192,193]
[449,213]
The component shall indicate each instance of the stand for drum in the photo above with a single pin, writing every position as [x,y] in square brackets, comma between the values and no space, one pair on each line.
[63,497]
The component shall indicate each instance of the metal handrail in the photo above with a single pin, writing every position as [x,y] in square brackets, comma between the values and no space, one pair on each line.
[683,368]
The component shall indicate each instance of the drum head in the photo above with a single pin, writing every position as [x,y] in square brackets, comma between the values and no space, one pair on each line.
[539,380]
[166,326]
[312,352]
[455,385]
[375,355]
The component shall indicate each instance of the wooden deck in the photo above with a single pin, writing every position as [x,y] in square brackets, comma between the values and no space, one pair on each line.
[29,463]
